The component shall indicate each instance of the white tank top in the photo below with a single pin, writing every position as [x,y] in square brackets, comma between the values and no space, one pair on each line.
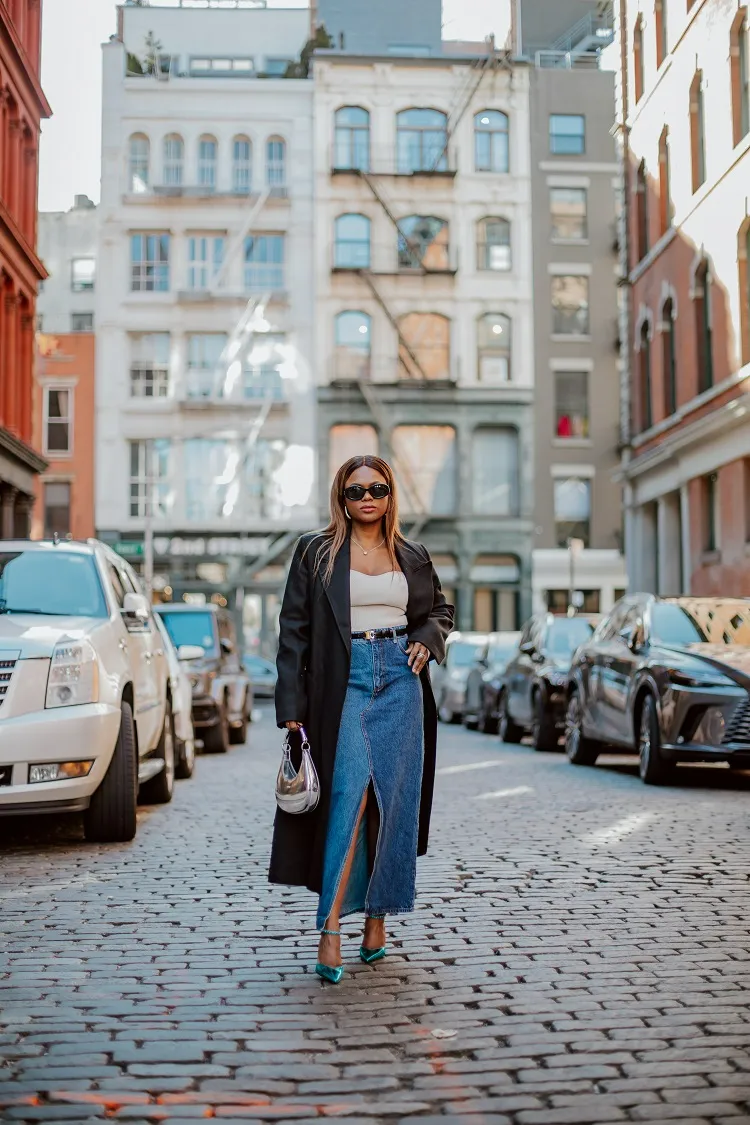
[378,600]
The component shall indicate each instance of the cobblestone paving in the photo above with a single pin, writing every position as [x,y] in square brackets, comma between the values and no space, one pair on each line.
[580,954]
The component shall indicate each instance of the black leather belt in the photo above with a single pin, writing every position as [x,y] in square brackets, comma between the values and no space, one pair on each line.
[378,634]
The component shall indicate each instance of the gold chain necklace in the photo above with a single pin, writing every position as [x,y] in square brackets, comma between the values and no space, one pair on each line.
[364,552]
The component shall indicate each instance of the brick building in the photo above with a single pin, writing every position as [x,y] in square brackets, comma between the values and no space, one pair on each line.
[22,105]
[684,134]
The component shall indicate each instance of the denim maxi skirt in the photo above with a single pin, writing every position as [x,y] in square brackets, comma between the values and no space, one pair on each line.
[381,741]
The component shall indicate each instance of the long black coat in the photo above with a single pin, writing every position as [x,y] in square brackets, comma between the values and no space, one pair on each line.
[313,674]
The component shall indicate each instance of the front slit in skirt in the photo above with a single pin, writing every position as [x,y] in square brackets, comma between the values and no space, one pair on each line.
[380,750]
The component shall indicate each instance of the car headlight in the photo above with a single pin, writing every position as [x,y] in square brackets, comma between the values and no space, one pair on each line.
[697,678]
[73,675]
[557,679]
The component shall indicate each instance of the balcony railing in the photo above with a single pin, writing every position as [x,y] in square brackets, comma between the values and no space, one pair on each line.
[253,385]
[427,158]
[350,367]
[205,191]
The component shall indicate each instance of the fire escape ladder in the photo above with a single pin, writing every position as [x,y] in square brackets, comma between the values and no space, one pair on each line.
[236,244]
[380,198]
[465,98]
[403,342]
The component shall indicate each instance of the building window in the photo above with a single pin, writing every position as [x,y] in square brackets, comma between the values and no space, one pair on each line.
[242,165]
[275,162]
[662,36]
[669,357]
[567,134]
[207,157]
[353,346]
[422,141]
[491,134]
[740,76]
[149,263]
[570,305]
[261,487]
[82,322]
[569,213]
[423,243]
[225,66]
[82,274]
[149,365]
[572,498]
[352,138]
[351,242]
[665,182]
[697,131]
[345,441]
[225,480]
[495,471]
[493,348]
[206,374]
[641,191]
[149,477]
[703,332]
[56,509]
[264,263]
[138,169]
[639,65]
[493,246]
[710,513]
[743,261]
[58,421]
[424,346]
[174,160]
[644,377]
[264,367]
[205,256]
[426,468]
[496,581]
[571,404]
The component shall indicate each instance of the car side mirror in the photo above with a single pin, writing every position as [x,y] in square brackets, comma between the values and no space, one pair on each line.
[227,646]
[190,652]
[136,609]
[527,648]
[632,636]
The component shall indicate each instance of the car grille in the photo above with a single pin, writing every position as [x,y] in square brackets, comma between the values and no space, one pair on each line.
[738,729]
[7,666]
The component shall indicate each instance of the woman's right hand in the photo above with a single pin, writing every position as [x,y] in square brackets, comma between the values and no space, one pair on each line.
[293,726]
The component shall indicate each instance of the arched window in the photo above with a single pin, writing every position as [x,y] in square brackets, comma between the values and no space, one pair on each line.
[491,133]
[353,346]
[669,357]
[426,468]
[665,182]
[242,165]
[276,162]
[493,347]
[423,243]
[740,76]
[743,260]
[422,141]
[697,131]
[352,242]
[346,440]
[493,245]
[207,156]
[352,138]
[638,60]
[495,470]
[424,346]
[641,189]
[138,163]
[644,376]
[174,160]
[702,318]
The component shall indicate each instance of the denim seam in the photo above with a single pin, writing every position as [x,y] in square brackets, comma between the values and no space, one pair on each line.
[372,777]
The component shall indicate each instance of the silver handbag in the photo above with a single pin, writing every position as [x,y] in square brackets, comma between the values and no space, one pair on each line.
[297,791]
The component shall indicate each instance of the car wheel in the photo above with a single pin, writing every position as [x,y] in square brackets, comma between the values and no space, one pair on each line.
[158,790]
[471,721]
[652,767]
[487,724]
[507,729]
[184,758]
[543,730]
[581,751]
[112,815]
[238,735]
[216,739]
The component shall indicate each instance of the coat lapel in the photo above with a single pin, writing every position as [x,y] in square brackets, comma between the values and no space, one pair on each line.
[338,592]
[418,577]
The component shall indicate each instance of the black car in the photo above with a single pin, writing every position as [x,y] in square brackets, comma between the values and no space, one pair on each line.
[485,681]
[533,695]
[668,679]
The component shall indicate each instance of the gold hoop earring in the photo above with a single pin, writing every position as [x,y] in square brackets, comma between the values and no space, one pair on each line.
[346,513]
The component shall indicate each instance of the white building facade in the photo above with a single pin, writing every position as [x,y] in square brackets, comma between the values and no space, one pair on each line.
[67,243]
[204,313]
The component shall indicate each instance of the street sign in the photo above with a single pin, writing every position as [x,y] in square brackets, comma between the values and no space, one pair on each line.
[129,548]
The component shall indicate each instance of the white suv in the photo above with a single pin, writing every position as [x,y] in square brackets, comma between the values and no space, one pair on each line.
[85,709]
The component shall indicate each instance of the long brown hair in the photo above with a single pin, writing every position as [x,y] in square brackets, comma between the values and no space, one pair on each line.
[339,526]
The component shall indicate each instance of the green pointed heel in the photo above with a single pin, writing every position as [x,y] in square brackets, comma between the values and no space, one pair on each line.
[369,956]
[327,972]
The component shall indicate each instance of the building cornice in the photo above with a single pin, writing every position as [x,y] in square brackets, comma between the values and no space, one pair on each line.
[28,263]
[21,452]
[17,54]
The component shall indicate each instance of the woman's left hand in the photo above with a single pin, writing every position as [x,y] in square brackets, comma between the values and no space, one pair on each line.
[418,657]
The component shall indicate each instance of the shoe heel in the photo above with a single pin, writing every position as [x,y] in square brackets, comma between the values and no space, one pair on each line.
[369,956]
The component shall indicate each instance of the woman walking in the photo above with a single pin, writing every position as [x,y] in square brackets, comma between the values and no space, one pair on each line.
[363,613]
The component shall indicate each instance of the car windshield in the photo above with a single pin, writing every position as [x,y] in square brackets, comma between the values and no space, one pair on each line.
[566,635]
[52,581]
[191,629]
[463,653]
[501,653]
[673,625]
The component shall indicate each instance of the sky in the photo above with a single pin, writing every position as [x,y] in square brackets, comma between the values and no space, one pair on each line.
[72,34]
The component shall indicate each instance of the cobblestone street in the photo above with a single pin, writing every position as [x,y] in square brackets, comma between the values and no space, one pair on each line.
[580,953]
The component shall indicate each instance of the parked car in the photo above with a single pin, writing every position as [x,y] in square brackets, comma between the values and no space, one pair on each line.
[484,682]
[533,696]
[668,679]
[182,706]
[449,678]
[206,641]
[85,699]
[262,675]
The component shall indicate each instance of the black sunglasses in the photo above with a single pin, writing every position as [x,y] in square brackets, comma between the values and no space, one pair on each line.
[359,491]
